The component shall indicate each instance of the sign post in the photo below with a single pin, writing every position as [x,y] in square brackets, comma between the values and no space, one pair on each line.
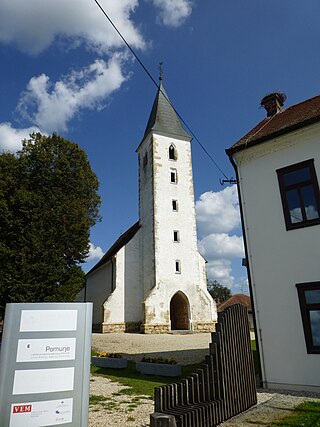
[45,365]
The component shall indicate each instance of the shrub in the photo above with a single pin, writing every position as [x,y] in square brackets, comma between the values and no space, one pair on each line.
[159,360]
[111,355]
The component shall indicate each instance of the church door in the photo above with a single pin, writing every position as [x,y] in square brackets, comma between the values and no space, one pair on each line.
[179,312]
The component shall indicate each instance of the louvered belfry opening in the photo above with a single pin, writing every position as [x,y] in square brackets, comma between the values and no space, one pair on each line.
[224,386]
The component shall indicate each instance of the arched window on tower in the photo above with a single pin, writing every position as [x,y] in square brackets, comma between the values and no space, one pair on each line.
[172,152]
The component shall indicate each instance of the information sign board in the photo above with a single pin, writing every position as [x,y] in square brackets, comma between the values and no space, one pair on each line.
[45,365]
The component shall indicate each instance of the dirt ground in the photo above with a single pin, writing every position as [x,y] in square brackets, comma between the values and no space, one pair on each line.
[184,348]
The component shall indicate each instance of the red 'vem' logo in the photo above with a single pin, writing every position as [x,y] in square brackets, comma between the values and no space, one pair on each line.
[21,408]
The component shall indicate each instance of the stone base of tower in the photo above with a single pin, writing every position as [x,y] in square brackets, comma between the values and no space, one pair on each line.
[155,328]
[203,327]
[120,327]
[163,328]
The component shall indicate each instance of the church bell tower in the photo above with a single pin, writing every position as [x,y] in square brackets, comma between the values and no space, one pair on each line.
[173,277]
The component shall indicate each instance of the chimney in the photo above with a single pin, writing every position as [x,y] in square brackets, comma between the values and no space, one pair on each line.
[273,102]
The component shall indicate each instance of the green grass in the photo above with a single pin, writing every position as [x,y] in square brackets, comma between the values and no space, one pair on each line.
[96,400]
[305,415]
[139,384]
[255,358]
[143,385]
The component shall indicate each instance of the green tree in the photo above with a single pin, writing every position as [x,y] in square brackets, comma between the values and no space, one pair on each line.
[218,291]
[48,202]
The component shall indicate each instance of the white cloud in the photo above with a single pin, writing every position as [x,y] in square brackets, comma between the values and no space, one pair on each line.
[10,138]
[173,12]
[69,24]
[220,270]
[51,105]
[34,25]
[217,216]
[218,212]
[221,245]
[95,253]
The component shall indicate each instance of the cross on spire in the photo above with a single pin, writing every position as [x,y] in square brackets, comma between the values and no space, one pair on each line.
[160,71]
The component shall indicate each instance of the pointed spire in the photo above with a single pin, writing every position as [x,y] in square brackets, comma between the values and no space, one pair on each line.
[163,118]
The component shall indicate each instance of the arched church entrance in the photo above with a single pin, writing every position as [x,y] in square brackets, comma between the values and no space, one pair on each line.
[179,312]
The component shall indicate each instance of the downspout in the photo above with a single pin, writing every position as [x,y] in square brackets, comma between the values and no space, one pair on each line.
[248,266]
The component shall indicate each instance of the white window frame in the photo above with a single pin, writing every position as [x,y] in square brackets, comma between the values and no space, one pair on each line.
[173,174]
[177,266]
[172,149]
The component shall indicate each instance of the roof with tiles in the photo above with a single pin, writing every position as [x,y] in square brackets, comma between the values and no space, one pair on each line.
[122,241]
[287,120]
[235,299]
[163,117]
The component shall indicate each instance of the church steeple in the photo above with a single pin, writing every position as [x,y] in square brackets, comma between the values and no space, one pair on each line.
[163,118]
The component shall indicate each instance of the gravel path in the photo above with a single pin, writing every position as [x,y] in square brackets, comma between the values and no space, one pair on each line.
[118,410]
[114,409]
[185,349]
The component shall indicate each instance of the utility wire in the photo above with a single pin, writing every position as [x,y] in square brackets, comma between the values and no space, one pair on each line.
[125,41]
[156,84]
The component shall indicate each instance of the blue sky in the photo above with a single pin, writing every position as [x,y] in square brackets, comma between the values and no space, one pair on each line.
[65,69]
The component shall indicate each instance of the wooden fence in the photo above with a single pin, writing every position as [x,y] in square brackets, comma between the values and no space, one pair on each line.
[224,386]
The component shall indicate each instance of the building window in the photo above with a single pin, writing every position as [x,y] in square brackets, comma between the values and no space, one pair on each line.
[172,152]
[113,274]
[299,194]
[173,176]
[175,205]
[145,160]
[176,236]
[177,267]
[309,299]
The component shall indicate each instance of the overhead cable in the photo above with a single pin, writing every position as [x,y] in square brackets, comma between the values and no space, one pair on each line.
[156,84]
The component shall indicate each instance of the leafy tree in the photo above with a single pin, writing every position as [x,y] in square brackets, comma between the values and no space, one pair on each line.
[218,291]
[48,202]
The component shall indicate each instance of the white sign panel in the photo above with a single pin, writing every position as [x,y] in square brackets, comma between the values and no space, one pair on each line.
[48,320]
[41,414]
[43,380]
[48,349]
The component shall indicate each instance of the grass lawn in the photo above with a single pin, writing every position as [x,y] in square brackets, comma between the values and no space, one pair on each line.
[139,384]
[305,415]
[143,385]
[255,358]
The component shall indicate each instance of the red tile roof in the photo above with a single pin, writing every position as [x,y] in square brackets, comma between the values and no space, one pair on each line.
[235,299]
[287,120]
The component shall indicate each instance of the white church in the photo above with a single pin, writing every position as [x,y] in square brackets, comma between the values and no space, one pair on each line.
[153,279]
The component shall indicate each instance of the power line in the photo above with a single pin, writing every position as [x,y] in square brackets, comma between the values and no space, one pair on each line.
[156,84]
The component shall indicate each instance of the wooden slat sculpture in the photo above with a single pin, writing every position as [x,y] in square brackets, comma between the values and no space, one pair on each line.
[224,386]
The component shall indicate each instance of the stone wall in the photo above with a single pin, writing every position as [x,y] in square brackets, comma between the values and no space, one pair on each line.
[203,327]
[155,328]
[121,327]
[113,327]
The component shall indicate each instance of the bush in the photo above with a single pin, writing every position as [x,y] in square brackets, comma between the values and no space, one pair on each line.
[159,360]
[110,355]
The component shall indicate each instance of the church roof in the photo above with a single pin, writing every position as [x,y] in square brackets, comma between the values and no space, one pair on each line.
[163,117]
[292,118]
[122,240]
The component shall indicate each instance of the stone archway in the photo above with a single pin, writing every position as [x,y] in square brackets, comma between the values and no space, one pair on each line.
[179,312]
